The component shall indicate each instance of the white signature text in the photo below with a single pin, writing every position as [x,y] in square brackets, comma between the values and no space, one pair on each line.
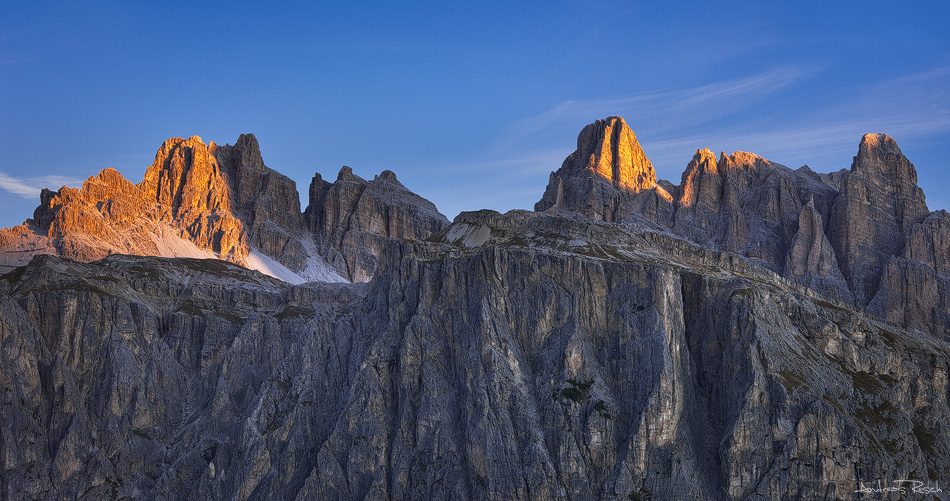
[902,486]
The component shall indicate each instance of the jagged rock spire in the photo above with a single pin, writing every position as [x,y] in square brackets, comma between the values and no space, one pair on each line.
[610,149]
[878,206]
[608,167]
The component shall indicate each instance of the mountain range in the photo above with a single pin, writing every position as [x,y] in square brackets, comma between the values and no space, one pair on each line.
[753,332]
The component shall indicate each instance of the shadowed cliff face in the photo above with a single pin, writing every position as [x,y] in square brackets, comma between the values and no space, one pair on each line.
[199,200]
[879,204]
[513,357]
[265,201]
[634,339]
[851,235]
[352,219]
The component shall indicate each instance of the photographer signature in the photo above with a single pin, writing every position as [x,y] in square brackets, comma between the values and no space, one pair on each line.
[902,486]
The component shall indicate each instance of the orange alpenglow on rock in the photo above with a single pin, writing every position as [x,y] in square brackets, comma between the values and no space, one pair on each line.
[610,149]
[608,168]
[700,180]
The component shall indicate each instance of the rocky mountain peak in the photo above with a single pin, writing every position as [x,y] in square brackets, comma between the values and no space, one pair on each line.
[864,236]
[388,176]
[205,200]
[700,180]
[610,149]
[878,206]
[704,348]
[598,179]
[246,153]
[185,176]
[881,162]
[266,201]
[352,219]
[705,160]
[875,150]
[346,174]
[742,160]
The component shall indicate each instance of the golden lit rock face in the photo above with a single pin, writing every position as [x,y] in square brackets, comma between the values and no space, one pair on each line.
[185,177]
[106,211]
[191,192]
[742,160]
[600,177]
[183,192]
[700,180]
[610,149]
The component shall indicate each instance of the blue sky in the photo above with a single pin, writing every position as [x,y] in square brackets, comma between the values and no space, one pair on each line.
[471,105]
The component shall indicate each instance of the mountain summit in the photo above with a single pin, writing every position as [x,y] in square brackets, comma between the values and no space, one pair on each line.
[610,149]
[209,201]
[755,332]
[607,164]
[846,235]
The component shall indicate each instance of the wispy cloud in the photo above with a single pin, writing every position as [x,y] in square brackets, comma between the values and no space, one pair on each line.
[8,59]
[663,110]
[760,113]
[672,123]
[30,187]
[912,106]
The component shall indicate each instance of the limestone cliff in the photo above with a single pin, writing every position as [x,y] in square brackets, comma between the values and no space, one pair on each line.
[352,219]
[205,200]
[843,234]
[637,340]
[517,356]
[191,192]
[602,176]
[811,257]
[879,204]
[184,197]
[266,201]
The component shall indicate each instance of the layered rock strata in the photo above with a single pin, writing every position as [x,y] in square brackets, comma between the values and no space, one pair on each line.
[878,206]
[199,200]
[517,356]
[607,177]
[266,201]
[851,235]
[183,196]
[352,219]
[701,345]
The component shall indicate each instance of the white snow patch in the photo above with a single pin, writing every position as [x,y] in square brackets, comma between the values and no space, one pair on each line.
[317,269]
[269,266]
[171,245]
[468,235]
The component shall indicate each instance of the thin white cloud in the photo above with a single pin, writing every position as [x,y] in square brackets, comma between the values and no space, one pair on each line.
[928,78]
[739,91]
[669,109]
[30,187]
[780,143]
[911,106]
[8,59]
[737,114]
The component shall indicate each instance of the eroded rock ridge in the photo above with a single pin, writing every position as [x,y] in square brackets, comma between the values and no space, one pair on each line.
[205,200]
[634,339]
[851,235]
